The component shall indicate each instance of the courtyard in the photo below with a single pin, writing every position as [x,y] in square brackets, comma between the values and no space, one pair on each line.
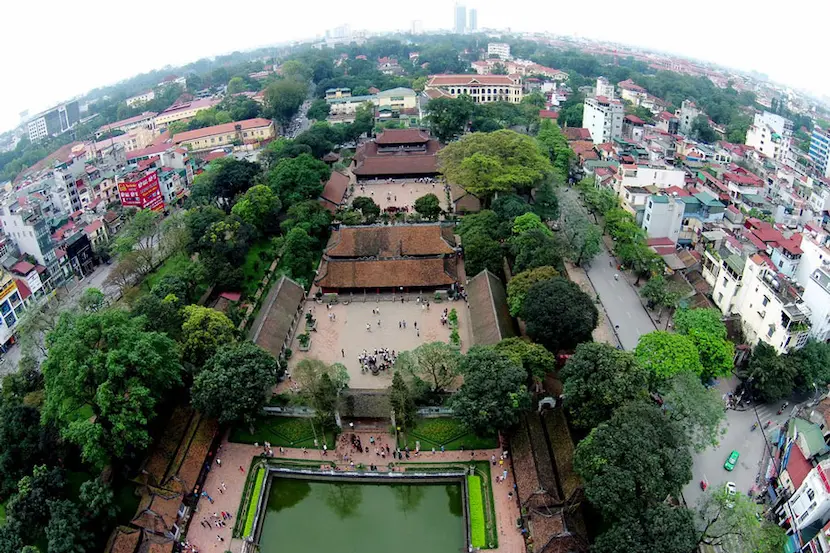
[401,193]
[342,333]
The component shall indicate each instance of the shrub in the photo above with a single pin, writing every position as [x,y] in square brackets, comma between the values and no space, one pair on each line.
[476,502]
[453,317]
[304,339]
[455,338]
[260,478]
[288,353]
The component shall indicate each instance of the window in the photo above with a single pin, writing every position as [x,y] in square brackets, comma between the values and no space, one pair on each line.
[725,281]
[771,331]
[765,301]
[720,297]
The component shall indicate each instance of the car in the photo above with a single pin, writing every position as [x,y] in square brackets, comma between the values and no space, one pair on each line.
[732,460]
[731,491]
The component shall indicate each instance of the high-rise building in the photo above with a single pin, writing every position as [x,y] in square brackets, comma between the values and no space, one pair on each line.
[499,50]
[473,16]
[54,121]
[603,117]
[820,150]
[771,135]
[417,27]
[460,19]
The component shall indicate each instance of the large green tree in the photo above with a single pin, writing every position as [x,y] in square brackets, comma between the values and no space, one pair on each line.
[812,363]
[298,253]
[559,315]
[481,252]
[493,394]
[533,358]
[259,207]
[661,528]
[708,333]
[433,365]
[448,117]
[634,461]
[502,161]
[665,354]
[428,206]
[518,286]
[113,364]
[64,532]
[402,401]
[30,505]
[24,443]
[138,239]
[771,375]
[731,523]
[235,383]
[284,97]
[554,143]
[599,379]
[698,409]
[534,248]
[298,178]
[204,331]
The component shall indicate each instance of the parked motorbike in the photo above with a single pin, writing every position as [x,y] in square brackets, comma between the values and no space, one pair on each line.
[786,403]
[768,423]
[754,426]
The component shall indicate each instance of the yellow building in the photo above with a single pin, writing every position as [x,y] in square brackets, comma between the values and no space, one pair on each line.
[249,131]
[482,88]
[186,110]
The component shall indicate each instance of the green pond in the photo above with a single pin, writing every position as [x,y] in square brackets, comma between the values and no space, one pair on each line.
[305,516]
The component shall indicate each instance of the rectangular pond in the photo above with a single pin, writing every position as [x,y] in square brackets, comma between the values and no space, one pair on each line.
[355,517]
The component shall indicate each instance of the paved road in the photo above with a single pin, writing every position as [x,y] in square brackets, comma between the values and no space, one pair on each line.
[621,301]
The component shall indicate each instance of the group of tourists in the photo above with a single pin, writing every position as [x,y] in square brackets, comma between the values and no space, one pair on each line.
[383,359]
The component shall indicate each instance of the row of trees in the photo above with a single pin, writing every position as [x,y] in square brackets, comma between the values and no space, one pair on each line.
[449,118]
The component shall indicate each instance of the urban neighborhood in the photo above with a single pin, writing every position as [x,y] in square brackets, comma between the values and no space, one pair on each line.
[458,289]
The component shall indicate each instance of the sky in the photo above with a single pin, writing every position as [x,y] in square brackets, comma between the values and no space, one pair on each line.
[51,58]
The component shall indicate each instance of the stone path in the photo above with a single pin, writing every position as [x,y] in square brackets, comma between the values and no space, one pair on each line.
[400,195]
[233,455]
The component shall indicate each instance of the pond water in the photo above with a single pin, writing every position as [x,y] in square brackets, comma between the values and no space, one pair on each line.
[305,516]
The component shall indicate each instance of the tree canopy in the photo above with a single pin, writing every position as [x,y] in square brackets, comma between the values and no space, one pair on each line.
[698,409]
[433,365]
[708,333]
[295,179]
[518,286]
[259,207]
[533,358]
[204,331]
[559,315]
[665,354]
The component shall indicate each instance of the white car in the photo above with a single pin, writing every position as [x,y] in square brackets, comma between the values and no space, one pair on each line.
[731,491]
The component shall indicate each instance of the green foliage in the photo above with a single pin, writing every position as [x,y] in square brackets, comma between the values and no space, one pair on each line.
[321,385]
[708,333]
[433,365]
[580,237]
[528,222]
[599,379]
[428,206]
[402,402]
[224,181]
[311,217]
[259,207]
[534,248]
[812,363]
[546,202]
[660,293]
[298,254]
[254,499]
[702,131]
[23,443]
[204,331]
[509,206]
[97,501]
[476,505]
[300,178]
[662,528]
[367,207]
[283,99]
[518,286]
[109,361]
[773,376]
[699,410]
[633,462]
[64,533]
[235,383]
[665,354]
[535,359]
[29,507]
[559,315]
[481,252]
[555,145]
[319,110]
[280,432]
[448,117]
[493,393]
[486,163]
[91,300]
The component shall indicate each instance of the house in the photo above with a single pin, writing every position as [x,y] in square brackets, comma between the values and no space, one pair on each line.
[249,131]
[385,258]
[140,121]
[668,122]
[481,88]
[334,192]
[96,231]
[463,201]
[397,153]
[182,111]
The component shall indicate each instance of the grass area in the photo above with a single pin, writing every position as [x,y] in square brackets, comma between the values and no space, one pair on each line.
[476,503]
[282,432]
[491,527]
[176,263]
[447,432]
[2,514]
[252,505]
[259,257]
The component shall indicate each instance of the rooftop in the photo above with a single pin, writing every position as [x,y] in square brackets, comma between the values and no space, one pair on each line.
[467,79]
[225,128]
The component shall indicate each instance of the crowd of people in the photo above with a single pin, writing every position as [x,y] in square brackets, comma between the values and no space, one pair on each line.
[382,359]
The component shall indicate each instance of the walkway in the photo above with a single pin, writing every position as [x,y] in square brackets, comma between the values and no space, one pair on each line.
[234,455]
[620,299]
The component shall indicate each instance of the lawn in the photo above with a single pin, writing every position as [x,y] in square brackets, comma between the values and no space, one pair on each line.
[259,257]
[176,263]
[476,503]
[252,504]
[449,432]
[2,514]
[281,432]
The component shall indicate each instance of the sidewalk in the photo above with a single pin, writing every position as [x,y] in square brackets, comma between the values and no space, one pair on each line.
[604,332]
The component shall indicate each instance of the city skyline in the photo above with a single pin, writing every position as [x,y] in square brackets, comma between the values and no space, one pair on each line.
[44,84]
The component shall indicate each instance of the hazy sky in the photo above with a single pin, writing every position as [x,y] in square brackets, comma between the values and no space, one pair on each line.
[51,50]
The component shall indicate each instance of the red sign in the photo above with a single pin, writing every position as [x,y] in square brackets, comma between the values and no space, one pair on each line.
[144,193]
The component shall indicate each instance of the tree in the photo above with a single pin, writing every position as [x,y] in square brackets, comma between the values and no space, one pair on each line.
[321,387]
[283,99]
[231,178]
[702,131]
[298,178]
[319,110]
[708,333]
[428,206]
[91,300]
[113,364]
[236,85]
[448,117]
[555,145]
[812,363]
[546,202]
[311,217]
[493,394]
[502,161]
[533,358]
[280,149]
[660,293]
[661,528]
[63,532]
[698,409]
[30,505]
[433,365]
[259,207]
[599,379]
[298,251]
[97,501]
[559,315]
[518,286]
[535,248]
[204,331]
[481,252]
[138,238]
[235,383]
[581,237]
[509,206]
[771,375]
[732,524]
[403,403]
[23,443]
[529,221]
[640,258]
[633,462]
[665,354]
[367,207]
[128,269]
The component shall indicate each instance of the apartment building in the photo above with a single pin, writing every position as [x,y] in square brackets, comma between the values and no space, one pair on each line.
[141,121]
[771,135]
[499,50]
[182,111]
[603,117]
[142,98]
[249,131]
[820,150]
[30,231]
[686,116]
[53,122]
[481,88]
[11,308]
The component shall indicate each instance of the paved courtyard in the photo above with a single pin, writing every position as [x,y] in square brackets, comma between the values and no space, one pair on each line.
[400,194]
[343,339]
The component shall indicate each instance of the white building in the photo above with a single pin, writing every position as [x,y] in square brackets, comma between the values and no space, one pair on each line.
[771,135]
[604,88]
[663,217]
[660,176]
[54,121]
[498,50]
[417,27]
[603,117]
[142,98]
[31,233]
[820,150]
[811,501]
[817,296]
[686,115]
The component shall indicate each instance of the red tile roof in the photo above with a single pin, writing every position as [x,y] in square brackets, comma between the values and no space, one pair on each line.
[402,136]
[464,80]
[128,121]
[396,273]
[634,119]
[225,128]
[659,242]
[207,158]
[93,227]
[628,84]
[798,467]
[334,191]
[548,114]
[23,288]
[23,267]
[394,241]
[576,133]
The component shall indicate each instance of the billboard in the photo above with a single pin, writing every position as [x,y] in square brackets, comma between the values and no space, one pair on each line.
[143,193]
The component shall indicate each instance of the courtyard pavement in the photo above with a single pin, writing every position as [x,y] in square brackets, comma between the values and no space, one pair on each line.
[235,455]
[343,339]
[400,194]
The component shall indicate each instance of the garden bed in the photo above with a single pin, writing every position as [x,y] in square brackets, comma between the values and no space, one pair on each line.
[447,432]
[478,535]
[252,503]
[282,432]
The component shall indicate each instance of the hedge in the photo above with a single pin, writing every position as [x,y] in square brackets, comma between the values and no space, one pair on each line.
[477,533]
[249,520]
